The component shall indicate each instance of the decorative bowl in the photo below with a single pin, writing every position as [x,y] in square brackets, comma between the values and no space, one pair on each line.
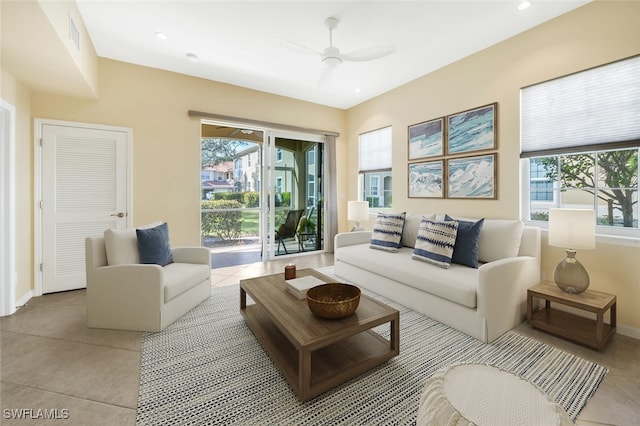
[333,300]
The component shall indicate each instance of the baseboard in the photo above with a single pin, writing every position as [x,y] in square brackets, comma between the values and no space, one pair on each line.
[24,299]
[628,331]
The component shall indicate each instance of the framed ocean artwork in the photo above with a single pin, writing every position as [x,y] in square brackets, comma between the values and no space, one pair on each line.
[472,177]
[426,139]
[472,131]
[426,179]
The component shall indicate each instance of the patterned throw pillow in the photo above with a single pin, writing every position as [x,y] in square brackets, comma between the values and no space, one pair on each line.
[435,242]
[387,231]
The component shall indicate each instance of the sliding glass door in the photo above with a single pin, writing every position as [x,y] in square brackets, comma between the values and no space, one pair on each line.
[261,194]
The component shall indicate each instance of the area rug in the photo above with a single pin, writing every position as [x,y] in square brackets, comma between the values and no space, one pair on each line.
[208,369]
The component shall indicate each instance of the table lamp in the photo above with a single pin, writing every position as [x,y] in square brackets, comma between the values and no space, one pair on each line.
[572,229]
[358,211]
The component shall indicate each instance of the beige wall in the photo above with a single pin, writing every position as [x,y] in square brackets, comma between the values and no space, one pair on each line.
[16,94]
[166,142]
[591,35]
[86,61]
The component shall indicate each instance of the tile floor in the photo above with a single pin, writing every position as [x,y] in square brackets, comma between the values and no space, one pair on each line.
[50,360]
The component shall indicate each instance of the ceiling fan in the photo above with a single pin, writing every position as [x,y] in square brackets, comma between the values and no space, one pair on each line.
[331,57]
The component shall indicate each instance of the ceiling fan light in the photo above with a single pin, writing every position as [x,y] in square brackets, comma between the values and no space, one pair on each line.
[332,61]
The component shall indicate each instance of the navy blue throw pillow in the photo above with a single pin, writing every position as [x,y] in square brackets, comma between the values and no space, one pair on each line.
[465,251]
[153,245]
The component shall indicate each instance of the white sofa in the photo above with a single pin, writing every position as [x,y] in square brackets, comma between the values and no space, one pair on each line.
[144,297]
[483,303]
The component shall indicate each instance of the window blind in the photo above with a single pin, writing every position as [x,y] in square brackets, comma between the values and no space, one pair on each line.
[596,108]
[375,150]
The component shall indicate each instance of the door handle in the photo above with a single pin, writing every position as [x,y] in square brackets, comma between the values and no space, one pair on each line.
[118,214]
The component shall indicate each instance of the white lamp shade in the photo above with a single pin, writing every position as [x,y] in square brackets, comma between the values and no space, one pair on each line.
[572,228]
[358,211]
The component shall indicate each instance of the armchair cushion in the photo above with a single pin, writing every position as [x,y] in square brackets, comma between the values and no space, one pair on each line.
[153,245]
[121,245]
[180,277]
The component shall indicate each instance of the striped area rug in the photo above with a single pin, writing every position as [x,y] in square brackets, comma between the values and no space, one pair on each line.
[208,368]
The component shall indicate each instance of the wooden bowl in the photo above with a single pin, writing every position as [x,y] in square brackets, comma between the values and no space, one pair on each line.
[333,300]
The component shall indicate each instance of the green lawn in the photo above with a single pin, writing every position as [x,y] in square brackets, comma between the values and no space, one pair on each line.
[250,223]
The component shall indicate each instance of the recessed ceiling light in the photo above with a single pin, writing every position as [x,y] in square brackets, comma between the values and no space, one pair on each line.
[161,36]
[523,5]
[192,57]
[356,90]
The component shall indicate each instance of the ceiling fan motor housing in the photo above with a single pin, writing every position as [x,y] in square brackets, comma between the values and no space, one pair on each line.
[331,57]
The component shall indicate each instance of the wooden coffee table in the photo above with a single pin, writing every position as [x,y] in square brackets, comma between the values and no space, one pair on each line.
[314,354]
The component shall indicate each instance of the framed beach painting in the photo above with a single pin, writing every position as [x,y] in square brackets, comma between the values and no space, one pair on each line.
[426,179]
[472,177]
[426,139]
[471,131]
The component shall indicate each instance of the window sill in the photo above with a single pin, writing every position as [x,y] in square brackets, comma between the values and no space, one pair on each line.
[616,240]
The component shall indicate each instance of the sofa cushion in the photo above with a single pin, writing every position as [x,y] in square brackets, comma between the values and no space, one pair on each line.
[458,284]
[153,245]
[465,251]
[499,238]
[387,231]
[121,245]
[435,242]
[180,277]
[411,225]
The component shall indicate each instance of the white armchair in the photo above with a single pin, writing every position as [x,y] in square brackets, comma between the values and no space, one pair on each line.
[144,297]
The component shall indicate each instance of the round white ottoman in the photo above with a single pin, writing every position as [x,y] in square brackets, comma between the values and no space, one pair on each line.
[478,394]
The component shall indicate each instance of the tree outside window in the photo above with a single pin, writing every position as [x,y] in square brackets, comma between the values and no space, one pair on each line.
[604,180]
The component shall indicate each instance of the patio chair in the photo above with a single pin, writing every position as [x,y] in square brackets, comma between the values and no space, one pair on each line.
[289,228]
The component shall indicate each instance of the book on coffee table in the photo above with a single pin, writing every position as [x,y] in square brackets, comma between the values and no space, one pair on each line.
[299,286]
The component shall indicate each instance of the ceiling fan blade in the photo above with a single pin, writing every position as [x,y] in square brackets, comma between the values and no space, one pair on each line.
[298,47]
[325,77]
[368,54]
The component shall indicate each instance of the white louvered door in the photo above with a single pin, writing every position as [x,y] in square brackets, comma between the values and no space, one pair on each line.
[84,192]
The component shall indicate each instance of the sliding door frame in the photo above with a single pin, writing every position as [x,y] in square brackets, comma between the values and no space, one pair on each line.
[269,244]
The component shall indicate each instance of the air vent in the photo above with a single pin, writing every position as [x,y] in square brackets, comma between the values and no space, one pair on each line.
[74,34]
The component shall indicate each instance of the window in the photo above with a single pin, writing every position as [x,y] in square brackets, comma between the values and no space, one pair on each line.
[541,184]
[238,168]
[311,177]
[278,154]
[375,167]
[580,145]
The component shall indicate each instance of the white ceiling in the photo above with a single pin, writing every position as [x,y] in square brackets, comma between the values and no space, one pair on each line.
[237,42]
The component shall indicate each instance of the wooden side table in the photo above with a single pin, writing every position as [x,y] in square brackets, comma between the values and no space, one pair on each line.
[593,333]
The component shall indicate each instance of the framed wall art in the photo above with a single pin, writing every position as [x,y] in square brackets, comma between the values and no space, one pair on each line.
[426,139]
[426,179]
[471,131]
[472,177]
